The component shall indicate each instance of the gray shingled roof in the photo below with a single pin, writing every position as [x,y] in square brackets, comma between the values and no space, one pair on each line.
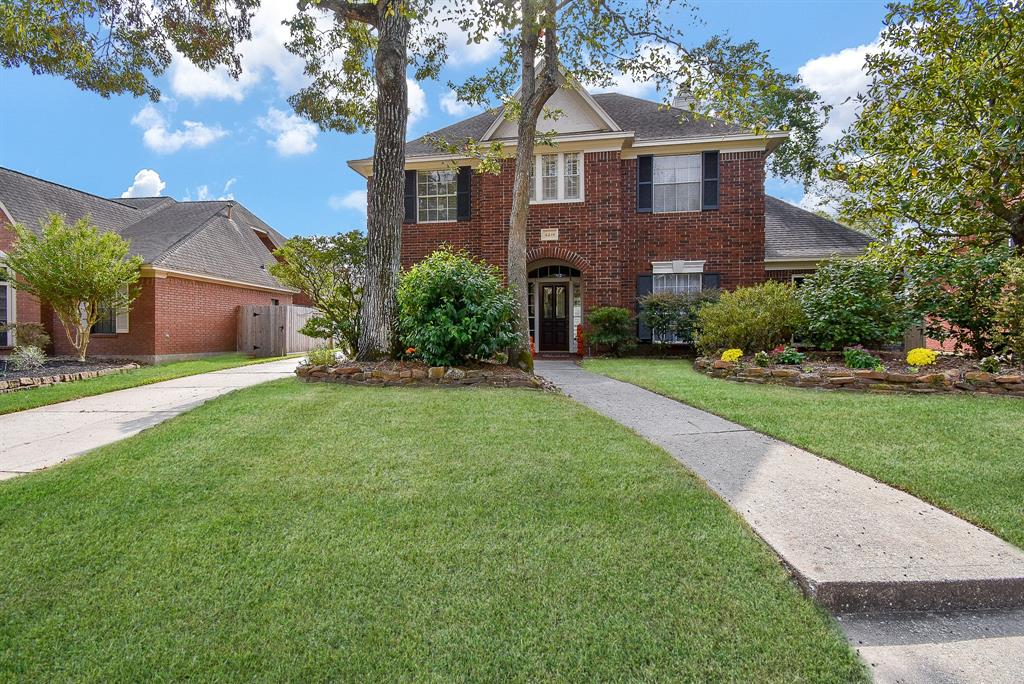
[197,237]
[648,120]
[794,233]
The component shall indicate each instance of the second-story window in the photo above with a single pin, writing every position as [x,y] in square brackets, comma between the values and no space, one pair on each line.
[677,183]
[557,177]
[437,196]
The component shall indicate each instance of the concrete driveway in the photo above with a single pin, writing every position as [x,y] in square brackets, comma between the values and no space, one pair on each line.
[43,437]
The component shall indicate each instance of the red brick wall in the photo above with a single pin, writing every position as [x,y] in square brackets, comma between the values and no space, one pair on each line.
[194,317]
[604,235]
[27,308]
[138,341]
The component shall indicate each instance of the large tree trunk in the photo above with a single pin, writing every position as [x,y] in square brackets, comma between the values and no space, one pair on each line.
[534,93]
[379,311]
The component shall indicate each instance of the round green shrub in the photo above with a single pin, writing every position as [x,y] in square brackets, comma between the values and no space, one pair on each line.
[611,327]
[749,318]
[672,315]
[452,308]
[849,302]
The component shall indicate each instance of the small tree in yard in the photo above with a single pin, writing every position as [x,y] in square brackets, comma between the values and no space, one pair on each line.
[77,270]
[329,270]
[750,318]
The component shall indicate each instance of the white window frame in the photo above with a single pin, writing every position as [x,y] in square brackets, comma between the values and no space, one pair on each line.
[693,270]
[699,183]
[537,187]
[455,180]
[12,299]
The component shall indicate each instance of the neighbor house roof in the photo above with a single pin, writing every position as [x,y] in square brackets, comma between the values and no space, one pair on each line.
[647,120]
[795,234]
[210,238]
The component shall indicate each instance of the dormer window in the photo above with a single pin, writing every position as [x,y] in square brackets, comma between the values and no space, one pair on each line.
[557,178]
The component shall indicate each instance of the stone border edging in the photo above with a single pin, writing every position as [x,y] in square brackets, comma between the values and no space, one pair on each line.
[18,384]
[971,382]
[436,376]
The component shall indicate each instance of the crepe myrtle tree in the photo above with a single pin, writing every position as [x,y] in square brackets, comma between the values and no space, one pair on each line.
[936,152]
[356,55]
[78,270]
[548,44]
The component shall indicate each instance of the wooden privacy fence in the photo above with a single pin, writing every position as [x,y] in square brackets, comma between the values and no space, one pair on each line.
[274,330]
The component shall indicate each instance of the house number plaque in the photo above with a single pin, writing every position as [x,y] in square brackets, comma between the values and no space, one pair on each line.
[548,234]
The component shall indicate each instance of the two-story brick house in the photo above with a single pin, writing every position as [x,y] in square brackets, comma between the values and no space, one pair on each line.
[633,197]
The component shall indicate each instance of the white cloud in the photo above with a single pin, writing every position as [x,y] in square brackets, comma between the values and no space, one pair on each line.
[838,78]
[355,200]
[147,183]
[203,192]
[460,50]
[264,54]
[158,137]
[626,85]
[293,134]
[417,102]
[451,105]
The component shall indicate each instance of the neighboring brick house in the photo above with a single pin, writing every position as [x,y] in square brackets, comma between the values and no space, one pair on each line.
[202,260]
[634,197]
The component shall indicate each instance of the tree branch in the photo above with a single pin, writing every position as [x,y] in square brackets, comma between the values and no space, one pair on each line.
[364,12]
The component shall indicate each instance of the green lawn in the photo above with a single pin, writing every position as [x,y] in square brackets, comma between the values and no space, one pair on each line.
[964,454]
[53,394]
[321,532]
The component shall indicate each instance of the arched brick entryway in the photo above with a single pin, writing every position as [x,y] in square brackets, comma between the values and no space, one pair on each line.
[558,254]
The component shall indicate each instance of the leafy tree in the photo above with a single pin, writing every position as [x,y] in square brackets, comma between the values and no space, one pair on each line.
[329,270]
[357,54]
[937,150]
[853,302]
[454,308]
[78,270]
[595,43]
[958,290]
[1009,317]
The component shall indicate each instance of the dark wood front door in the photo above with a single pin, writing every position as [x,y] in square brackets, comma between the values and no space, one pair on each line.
[554,317]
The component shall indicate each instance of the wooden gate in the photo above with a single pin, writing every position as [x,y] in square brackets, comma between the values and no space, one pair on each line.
[274,330]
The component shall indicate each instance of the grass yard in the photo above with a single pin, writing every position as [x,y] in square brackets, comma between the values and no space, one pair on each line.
[322,532]
[54,394]
[964,454]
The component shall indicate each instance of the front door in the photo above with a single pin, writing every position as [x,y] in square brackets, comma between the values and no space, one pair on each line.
[554,317]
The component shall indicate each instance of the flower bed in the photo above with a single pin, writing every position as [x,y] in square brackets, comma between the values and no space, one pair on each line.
[58,370]
[948,374]
[405,373]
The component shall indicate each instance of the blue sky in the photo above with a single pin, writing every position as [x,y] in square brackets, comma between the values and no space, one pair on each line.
[212,137]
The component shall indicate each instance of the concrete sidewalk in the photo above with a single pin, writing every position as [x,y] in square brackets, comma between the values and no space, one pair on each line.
[43,437]
[853,543]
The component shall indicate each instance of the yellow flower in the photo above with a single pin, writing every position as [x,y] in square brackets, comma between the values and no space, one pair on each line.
[921,357]
[732,355]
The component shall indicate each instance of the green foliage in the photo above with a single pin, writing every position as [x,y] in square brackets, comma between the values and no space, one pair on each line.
[329,270]
[1009,313]
[118,46]
[957,290]
[453,308]
[27,357]
[860,358]
[852,301]
[749,318]
[322,356]
[611,327]
[789,356]
[30,334]
[78,270]
[990,364]
[671,314]
[762,359]
[936,148]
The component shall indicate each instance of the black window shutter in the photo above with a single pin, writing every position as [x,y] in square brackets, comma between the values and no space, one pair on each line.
[410,197]
[711,281]
[644,286]
[645,183]
[710,181]
[464,196]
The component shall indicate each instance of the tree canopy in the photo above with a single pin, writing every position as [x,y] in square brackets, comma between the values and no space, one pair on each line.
[937,149]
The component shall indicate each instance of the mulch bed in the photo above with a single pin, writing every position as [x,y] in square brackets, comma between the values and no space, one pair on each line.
[59,365]
[894,362]
[401,373]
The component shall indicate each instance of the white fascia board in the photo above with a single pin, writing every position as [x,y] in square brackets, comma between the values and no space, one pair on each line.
[774,135]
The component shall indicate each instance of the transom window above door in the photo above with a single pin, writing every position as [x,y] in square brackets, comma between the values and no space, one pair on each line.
[437,196]
[557,177]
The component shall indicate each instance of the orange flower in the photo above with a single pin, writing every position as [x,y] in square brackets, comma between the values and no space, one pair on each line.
[410,351]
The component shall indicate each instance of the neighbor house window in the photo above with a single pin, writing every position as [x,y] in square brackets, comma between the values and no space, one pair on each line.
[557,177]
[677,183]
[6,306]
[437,196]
